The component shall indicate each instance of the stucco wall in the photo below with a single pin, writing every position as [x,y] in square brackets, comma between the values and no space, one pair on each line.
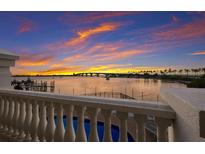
[187,103]
[5,77]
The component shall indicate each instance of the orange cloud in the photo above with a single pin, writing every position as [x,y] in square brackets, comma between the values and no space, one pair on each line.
[76,57]
[83,35]
[34,62]
[117,55]
[198,53]
[25,26]
[54,71]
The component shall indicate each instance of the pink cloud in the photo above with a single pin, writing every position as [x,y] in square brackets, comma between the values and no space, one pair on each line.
[25,26]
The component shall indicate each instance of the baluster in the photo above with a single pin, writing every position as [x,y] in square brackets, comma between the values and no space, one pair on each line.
[93,113]
[1,111]
[28,120]
[34,122]
[80,133]
[6,115]
[123,126]
[50,128]
[140,120]
[69,133]
[10,115]
[107,125]
[60,130]
[42,122]
[15,118]
[162,126]
[21,120]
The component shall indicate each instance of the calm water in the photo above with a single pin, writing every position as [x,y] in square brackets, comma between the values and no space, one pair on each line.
[146,89]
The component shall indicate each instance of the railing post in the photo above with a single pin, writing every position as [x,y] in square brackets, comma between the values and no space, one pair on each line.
[93,113]
[80,133]
[60,130]
[28,120]
[107,125]
[162,126]
[69,133]
[50,128]
[42,121]
[123,126]
[34,121]
[140,134]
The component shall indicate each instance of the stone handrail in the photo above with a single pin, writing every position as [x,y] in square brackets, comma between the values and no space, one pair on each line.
[30,116]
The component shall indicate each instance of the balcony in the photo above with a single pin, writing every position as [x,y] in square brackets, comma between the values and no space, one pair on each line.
[35,116]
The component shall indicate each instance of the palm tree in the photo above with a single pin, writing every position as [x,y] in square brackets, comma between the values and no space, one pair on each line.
[174,72]
[180,71]
[195,71]
[169,70]
[203,69]
[187,72]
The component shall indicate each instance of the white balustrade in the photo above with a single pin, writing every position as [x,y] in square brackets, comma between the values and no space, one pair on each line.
[33,116]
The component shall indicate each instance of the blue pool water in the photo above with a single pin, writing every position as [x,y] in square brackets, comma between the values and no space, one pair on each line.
[100,128]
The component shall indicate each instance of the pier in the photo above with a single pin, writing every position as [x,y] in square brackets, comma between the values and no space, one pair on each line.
[31,85]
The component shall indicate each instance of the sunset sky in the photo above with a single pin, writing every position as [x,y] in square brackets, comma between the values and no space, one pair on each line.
[71,42]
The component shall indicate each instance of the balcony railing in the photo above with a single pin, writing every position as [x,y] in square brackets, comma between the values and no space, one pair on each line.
[35,116]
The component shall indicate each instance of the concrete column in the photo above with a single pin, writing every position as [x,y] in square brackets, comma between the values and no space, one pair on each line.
[7,60]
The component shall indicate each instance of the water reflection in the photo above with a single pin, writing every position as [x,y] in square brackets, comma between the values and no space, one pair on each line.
[146,89]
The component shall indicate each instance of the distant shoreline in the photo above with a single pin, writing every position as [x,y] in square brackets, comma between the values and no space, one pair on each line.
[168,78]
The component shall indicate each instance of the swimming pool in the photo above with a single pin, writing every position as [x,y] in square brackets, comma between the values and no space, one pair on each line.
[100,127]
